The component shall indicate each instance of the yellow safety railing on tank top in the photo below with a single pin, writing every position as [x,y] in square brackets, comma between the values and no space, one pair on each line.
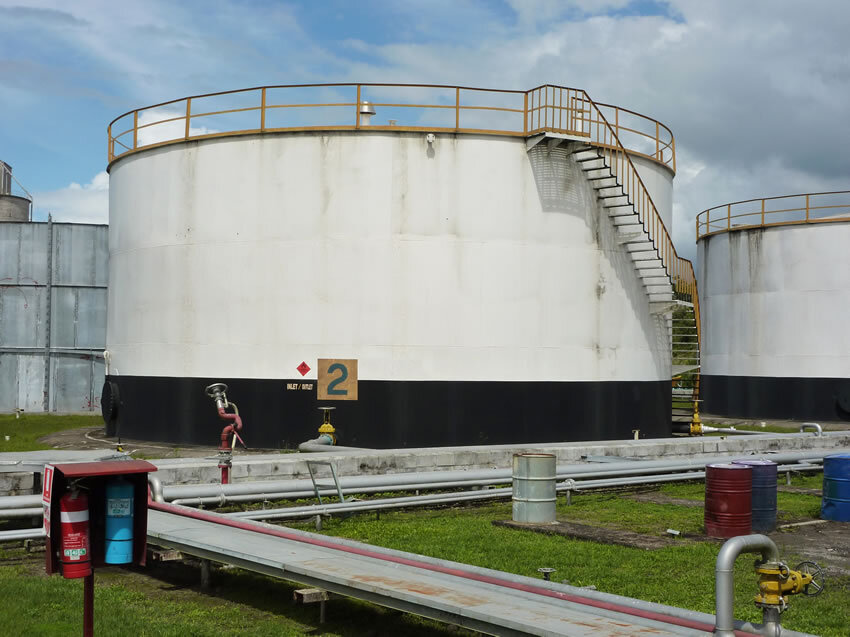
[417,107]
[786,210]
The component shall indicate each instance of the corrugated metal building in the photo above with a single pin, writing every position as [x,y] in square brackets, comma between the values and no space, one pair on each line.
[52,315]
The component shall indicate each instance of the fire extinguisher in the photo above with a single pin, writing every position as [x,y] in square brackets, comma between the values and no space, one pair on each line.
[75,555]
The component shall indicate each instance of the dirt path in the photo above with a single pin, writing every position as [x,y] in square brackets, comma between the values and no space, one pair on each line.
[94,438]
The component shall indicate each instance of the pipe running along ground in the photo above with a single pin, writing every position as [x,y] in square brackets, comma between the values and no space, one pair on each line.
[27,505]
[453,497]
[481,476]
[456,572]
[567,485]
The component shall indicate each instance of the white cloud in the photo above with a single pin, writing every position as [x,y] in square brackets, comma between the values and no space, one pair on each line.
[81,203]
[755,91]
[157,130]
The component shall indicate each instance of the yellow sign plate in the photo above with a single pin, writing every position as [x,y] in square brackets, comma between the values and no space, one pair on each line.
[337,379]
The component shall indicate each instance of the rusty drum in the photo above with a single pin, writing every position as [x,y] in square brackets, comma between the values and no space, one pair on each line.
[728,500]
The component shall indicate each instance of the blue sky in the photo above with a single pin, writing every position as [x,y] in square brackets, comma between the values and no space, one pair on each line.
[755,92]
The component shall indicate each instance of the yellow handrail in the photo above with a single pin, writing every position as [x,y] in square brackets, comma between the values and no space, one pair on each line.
[147,127]
[813,207]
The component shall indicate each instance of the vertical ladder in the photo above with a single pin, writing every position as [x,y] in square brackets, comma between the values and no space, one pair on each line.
[686,369]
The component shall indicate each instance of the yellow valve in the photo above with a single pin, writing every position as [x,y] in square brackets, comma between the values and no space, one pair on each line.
[326,427]
[696,423]
[777,581]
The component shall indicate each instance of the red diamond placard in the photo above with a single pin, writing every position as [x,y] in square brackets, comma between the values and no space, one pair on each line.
[303,368]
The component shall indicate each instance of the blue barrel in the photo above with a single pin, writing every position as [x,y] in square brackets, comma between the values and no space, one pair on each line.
[764,494]
[836,488]
[119,522]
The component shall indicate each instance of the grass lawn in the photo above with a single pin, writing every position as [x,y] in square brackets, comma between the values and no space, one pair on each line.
[131,604]
[25,431]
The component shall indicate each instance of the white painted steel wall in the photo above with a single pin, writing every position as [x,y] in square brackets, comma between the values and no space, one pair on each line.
[465,260]
[775,302]
[658,180]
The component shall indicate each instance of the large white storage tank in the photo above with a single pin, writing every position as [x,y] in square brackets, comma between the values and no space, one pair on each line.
[461,253]
[775,293]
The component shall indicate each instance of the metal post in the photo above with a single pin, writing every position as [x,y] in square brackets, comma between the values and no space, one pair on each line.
[88,605]
[48,312]
[206,574]
[135,129]
[188,115]
[263,110]
[525,114]
[457,126]
[357,109]
[657,142]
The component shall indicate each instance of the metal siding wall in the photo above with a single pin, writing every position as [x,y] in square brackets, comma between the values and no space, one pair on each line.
[22,316]
[77,291]
[74,380]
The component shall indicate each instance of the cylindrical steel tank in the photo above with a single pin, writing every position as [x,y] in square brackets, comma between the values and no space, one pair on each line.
[12,207]
[764,494]
[728,500]
[534,496]
[481,287]
[773,298]
[836,488]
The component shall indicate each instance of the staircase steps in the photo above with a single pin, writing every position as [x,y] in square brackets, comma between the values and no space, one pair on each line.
[634,239]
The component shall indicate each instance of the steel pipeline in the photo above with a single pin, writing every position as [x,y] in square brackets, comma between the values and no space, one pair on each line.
[478,477]
[723,573]
[455,497]
[21,534]
[25,505]
[407,561]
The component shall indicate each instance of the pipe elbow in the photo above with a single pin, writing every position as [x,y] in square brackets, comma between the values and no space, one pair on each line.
[324,440]
[155,484]
[755,543]
[812,425]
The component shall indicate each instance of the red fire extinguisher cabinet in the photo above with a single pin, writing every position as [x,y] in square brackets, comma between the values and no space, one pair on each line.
[93,477]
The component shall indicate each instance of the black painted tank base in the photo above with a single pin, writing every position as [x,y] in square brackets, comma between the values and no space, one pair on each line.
[785,398]
[389,414]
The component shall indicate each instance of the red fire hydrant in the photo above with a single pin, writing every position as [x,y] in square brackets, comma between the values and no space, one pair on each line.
[230,433]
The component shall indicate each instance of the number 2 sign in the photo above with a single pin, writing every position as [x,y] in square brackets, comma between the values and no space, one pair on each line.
[337,379]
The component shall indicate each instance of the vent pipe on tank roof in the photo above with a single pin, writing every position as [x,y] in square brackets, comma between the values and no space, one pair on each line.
[366,113]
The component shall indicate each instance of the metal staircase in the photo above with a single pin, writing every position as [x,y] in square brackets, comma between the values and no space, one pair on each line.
[563,115]
[631,230]
[661,288]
